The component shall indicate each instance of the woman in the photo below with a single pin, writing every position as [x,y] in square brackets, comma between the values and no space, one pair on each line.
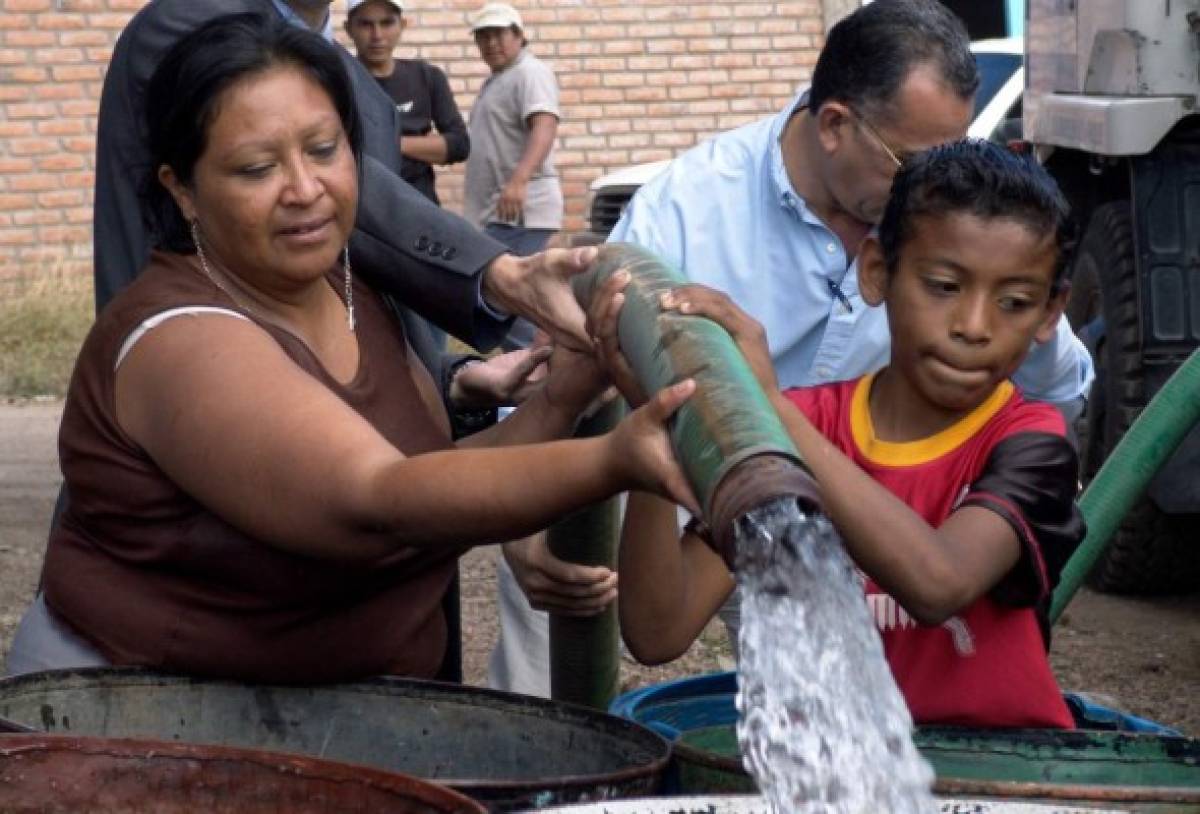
[210,528]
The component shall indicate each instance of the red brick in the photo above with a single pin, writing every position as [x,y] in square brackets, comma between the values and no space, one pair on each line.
[25,75]
[60,91]
[76,73]
[11,201]
[37,217]
[62,198]
[15,130]
[35,110]
[14,166]
[34,182]
[61,162]
[16,6]
[17,237]
[68,38]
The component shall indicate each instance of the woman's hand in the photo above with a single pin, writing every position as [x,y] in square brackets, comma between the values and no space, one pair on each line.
[747,333]
[602,319]
[575,380]
[641,447]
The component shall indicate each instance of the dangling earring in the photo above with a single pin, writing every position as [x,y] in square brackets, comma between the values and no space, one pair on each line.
[349,288]
[195,227]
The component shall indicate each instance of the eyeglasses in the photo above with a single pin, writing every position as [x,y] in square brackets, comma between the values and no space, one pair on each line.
[878,139]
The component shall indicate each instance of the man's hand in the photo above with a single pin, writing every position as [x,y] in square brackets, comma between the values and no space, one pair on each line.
[511,203]
[539,289]
[560,587]
[504,380]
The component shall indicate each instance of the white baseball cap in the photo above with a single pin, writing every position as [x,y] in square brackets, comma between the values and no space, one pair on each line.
[351,5]
[496,15]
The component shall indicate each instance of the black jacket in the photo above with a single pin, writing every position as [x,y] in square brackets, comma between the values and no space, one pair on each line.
[424,257]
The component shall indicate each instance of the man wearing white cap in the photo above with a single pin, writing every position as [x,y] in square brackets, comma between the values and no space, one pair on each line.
[422,95]
[511,189]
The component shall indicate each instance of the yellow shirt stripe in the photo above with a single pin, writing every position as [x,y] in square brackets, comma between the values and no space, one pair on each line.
[923,450]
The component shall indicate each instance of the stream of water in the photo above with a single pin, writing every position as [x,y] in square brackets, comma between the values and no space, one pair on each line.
[822,725]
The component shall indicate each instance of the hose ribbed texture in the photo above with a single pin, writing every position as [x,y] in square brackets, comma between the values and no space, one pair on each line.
[1142,451]
[584,665]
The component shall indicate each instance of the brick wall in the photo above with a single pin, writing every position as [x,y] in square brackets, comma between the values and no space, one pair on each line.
[640,81]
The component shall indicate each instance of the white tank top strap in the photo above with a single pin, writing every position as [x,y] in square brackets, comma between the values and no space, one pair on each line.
[152,322]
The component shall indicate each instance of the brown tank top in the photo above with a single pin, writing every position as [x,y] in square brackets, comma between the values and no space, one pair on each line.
[151,577]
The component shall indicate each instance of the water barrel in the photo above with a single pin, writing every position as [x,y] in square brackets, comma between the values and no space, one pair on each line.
[1135,771]
[49,774]
[509,751]
[753,804]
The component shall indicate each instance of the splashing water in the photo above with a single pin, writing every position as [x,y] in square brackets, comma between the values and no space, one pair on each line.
[822,725]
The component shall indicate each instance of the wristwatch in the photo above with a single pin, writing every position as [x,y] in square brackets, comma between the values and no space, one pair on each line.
[466,422]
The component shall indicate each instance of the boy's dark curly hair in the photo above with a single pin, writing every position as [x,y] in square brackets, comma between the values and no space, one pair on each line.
[979,178]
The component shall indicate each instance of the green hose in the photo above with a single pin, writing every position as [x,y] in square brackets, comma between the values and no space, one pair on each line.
[729,419]
[584,665]
[1119,484]
[727,437]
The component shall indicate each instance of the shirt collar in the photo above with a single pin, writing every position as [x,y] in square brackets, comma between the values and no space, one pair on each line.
[781,184]
[524,52]
[290,15]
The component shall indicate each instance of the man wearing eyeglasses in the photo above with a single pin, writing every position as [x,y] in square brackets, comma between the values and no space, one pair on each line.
[772,213]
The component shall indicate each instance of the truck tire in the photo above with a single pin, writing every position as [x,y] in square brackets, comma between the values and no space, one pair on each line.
[1151,552]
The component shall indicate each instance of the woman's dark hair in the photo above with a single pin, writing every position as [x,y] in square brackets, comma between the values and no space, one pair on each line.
[183,95]
[868,54]
[980,178]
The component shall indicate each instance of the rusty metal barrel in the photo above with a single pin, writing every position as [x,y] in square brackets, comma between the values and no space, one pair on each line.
[508,751]
[49,774]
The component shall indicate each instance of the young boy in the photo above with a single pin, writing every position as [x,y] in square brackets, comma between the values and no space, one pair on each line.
[953,494]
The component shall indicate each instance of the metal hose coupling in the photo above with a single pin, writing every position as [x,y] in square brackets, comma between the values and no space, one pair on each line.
[747,486]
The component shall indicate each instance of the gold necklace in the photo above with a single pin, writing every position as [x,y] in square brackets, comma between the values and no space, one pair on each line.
[350,321]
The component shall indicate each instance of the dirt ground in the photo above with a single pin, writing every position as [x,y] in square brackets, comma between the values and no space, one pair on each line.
[1145,654]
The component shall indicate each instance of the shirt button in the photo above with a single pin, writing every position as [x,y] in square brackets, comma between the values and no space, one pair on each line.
[831,248]
[824,372]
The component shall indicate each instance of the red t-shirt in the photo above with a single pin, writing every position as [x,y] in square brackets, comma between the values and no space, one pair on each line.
[987,665]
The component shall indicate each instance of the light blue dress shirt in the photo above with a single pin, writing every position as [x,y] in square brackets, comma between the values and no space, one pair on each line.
[292,17]
[727,216]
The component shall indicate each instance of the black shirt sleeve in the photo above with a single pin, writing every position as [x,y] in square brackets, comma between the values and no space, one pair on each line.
[1030,480]
[446,117]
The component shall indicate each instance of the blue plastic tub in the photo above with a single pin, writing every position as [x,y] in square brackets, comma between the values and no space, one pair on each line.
[1151,764]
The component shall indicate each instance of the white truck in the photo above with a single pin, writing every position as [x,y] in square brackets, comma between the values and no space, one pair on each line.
[1111,109]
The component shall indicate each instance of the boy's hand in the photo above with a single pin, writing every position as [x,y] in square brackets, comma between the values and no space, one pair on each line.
[502,380]
[747,333]
[602,318]
[557,586]
[641,448]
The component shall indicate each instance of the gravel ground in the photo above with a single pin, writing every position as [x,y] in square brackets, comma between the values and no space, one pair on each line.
[1144,654]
